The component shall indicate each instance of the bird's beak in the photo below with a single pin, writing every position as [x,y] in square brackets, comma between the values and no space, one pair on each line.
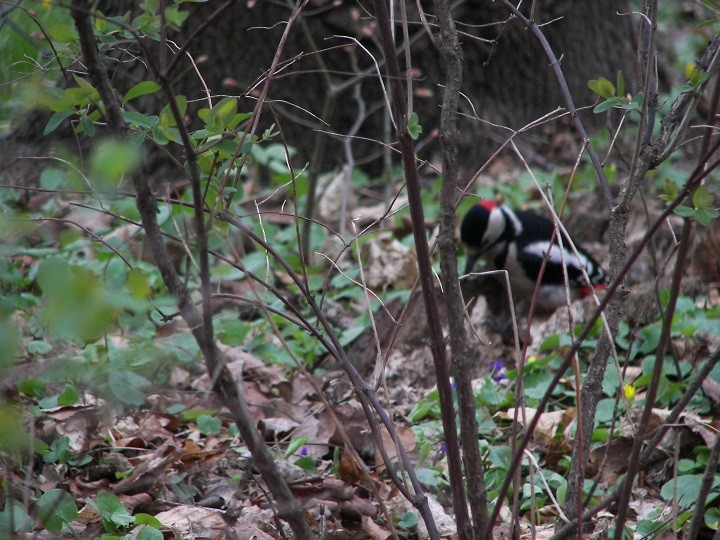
[471,260]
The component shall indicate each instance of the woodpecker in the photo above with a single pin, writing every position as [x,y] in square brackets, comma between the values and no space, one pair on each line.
[517,241]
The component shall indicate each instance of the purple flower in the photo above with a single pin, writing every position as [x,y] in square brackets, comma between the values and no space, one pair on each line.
[303,451]
[442,448]
[497,371]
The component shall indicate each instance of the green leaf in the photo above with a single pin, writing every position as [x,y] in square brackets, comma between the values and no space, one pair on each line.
[704,217]
[294,446]
[702,199]
[413,126]
[32,387]
[217,118]
[142,89]
[53,178]
[712,518]
[112,510]
[128,387]
[307,463]
[59,451]
[147,519]
[408,521]
[14,519]
[685,211]
[620,81]
[166,117]
[113,160]
[137,283]
[14,435]
[149,533]
[607,104]
[87,126]
[602,87]
[670,190]
[57,119]
[140,120]
[77,305]
[210,425]
[64,33]
[55,509]
[687,488]
[69,396]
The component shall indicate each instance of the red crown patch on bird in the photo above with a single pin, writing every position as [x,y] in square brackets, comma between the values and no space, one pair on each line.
[488,204]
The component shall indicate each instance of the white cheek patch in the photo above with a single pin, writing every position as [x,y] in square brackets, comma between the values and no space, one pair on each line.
[495,229]
[539,249]
[516,224]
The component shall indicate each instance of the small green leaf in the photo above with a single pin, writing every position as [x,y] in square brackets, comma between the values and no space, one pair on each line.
[57,119]
[14,519]
[53,178]
[113,160]
[705,216]
[702,198]
[620,81]
[408,521]
[69,396]
[142,89]
[166,117]
[32,387]
[64,33]
[210,425]
[684,211]
[59,451]
[147,519]
[128,386]
[87,126]
[55,509]
[602,87]
[413,126]
[217,118]
[112,510]
[76,303]
[306,463]
[138,284]
[712,518]
[607,104]
[140,120]
[149,533]
[295,445]
[686,488]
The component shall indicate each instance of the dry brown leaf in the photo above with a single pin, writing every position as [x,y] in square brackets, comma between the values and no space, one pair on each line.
[276,428]
[246,527]
[373,530]
[549,424]
[185,519]
[389,263]
[711,388]
[349,469]
[139,500]
[147,472]
[613,458]
[405,436]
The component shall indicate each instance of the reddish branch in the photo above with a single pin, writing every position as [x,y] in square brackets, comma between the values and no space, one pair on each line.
[436,339]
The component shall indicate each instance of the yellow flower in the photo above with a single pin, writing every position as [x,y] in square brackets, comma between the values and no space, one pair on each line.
[532,358]
[629,392]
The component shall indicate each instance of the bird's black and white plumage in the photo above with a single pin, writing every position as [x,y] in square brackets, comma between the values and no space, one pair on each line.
[517,241]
